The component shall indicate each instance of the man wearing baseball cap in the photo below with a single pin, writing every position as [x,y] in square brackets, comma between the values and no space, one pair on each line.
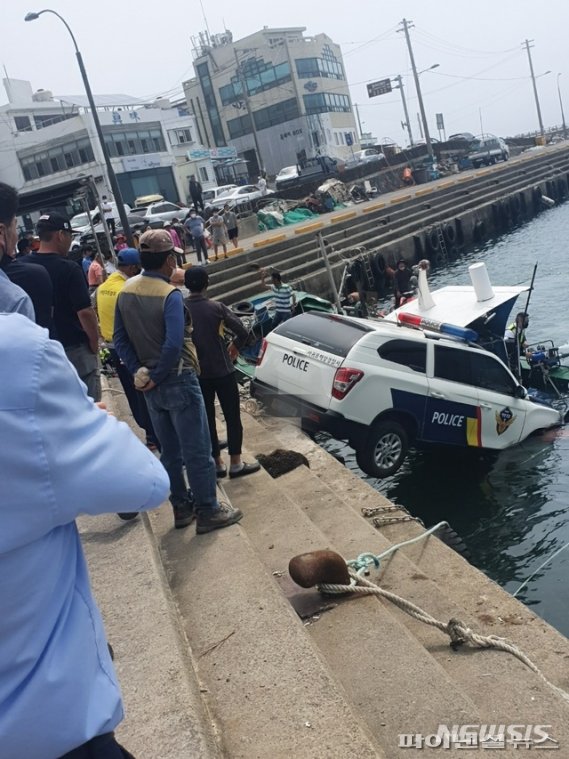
[128,265]
[74,320]
[153,338]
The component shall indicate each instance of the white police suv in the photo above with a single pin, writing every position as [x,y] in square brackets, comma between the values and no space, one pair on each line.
[382,387]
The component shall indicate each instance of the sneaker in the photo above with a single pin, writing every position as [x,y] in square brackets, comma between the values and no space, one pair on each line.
[244,470]
[183,515]
[126,516]
[215,520]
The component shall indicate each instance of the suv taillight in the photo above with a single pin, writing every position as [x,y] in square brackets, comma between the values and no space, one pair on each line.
[262,350]
[344,380]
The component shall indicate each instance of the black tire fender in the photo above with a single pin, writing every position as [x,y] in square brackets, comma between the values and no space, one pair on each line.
[479,232]
[243,308]
[380,263]
[449,232]
[433,239]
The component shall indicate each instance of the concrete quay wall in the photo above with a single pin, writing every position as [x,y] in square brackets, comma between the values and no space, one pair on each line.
[469,208]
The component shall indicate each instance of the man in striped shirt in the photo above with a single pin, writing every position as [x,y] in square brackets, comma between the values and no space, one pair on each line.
[284,297]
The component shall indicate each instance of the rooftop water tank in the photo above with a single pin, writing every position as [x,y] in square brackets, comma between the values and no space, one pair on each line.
[42,96]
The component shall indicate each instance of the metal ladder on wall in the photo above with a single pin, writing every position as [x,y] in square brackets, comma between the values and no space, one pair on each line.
[368,270]
[443,252]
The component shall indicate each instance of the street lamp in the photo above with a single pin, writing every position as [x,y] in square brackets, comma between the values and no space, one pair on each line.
[562,111]
[110,171]
[434,66]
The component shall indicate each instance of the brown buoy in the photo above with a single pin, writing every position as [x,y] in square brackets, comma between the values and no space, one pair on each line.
[319,567]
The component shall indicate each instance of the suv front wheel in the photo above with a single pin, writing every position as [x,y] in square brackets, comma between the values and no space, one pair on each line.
[384,449]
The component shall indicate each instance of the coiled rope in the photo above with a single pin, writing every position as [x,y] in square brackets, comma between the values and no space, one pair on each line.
[457,631]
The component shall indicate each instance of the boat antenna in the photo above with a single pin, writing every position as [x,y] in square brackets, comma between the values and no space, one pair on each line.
[322,244]
[525,313]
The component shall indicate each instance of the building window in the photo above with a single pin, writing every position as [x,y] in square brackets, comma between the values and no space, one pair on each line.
[286,110]
[258,75]
[240,126]
[44,119]
[336,138]
[326,102]
[209,98]
[57,158]
[134,142]
[325,67]
[203,174]
[23,123]
[180,136]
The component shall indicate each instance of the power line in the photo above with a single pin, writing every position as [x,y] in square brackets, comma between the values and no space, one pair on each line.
[453,49]
[384,36]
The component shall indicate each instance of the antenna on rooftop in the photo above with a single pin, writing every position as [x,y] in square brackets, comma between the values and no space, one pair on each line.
[205,18]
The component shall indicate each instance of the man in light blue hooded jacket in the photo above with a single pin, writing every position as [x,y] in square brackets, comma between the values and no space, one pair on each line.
[61,457]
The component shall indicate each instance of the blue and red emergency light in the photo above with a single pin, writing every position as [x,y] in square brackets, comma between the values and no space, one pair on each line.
[420,322]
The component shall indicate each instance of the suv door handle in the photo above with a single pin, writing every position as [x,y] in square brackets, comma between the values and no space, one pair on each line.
[436,394]
[485,405]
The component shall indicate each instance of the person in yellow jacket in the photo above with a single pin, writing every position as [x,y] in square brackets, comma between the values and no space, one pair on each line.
[128,265]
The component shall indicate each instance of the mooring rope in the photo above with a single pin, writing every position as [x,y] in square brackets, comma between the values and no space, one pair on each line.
[458,632]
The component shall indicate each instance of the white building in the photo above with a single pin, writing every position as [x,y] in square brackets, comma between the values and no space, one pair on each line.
[48,143]
[275,92]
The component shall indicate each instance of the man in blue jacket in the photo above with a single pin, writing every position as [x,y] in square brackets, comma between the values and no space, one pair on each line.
[61,457]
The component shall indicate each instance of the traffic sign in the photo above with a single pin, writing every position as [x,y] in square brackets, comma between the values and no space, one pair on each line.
[379,88]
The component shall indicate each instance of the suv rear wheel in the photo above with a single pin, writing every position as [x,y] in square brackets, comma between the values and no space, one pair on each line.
[384,449]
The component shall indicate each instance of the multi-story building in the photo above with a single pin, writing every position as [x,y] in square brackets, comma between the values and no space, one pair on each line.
[48,143]
[276,96]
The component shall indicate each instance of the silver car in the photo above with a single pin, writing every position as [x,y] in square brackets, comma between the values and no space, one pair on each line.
[162,211]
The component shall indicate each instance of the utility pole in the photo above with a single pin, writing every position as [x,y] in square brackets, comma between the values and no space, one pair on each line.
[358,118]
[399,86]
[406,25]
[528,47]
[562,111]
[248,106]
[420,126]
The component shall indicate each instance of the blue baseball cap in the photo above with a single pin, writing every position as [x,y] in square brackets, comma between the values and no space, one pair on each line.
[128,257]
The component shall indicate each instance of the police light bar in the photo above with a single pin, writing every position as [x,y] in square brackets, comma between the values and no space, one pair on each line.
[420,322]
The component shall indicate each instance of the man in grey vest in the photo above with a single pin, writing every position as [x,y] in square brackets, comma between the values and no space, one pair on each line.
[153,338]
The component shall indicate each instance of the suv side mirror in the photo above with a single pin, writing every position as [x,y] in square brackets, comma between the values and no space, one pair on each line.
[520,392]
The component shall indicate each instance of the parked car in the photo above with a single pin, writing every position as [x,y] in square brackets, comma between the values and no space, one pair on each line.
[368,155]
[383,388]
[462,136]
[211,195]
[319,167]
[146,200]
[162,211]
[247,192]
[488,150]
[81,226]
[284,176]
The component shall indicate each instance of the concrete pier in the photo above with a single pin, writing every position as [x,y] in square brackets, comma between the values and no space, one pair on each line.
[220,654]
[472,206]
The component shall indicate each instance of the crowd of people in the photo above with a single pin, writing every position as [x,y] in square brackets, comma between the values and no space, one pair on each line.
[60,447]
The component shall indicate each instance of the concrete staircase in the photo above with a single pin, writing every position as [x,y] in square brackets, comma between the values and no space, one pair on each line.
[283,672]
[389,224]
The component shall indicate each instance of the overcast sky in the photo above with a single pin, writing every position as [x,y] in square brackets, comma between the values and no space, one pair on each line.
[144,49]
